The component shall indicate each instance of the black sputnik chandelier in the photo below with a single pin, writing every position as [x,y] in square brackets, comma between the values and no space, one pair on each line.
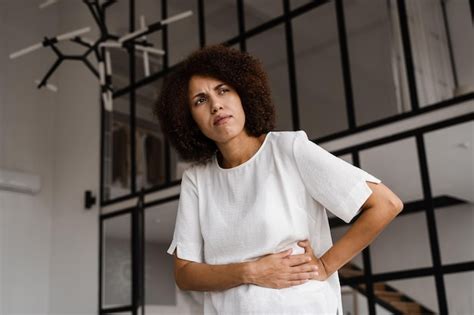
[99,47]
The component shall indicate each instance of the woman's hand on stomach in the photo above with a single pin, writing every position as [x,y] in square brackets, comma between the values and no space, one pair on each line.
[308,251]
[283,270]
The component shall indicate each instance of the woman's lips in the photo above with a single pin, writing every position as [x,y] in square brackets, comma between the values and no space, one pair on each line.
[222,120]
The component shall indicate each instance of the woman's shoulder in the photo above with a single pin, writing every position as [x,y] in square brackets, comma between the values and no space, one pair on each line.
[194,168]
[284,139]
[285,135]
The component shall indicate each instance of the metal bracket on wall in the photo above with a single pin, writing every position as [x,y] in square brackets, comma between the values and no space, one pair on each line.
[89,199]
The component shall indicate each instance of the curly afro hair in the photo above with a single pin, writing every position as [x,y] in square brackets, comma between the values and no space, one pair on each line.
[238,69]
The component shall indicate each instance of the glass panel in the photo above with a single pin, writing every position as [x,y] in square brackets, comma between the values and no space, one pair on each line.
[375,76]
[408,296]
[352,301]
[177,165]
[258,12]
[270,48]
[451,170]
[162,294]
[455,233]
[187,29]
[403,244]
[459,26]
[150,142]
[403,176]
[236,46]
[319,76]
[355,302]
[150,12]
[117,261]
[380,310]
[353,268]
[221,21]
[120,68]
[298,3]
[435,73]
[459,292]
[117,149]
[159,275]
[117,16]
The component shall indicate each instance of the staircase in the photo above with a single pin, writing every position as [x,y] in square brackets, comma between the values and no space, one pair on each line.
[385,295]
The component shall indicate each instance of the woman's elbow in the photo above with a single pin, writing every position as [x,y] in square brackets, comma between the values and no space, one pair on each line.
[179,280]
[397,204]
[180,284]
[179,277]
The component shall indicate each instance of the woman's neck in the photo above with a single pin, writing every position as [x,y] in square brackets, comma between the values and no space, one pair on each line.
[238,150]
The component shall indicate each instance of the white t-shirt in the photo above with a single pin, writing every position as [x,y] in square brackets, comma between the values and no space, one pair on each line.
[266,205]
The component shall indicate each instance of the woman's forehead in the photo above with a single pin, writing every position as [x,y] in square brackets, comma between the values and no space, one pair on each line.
[199,83]
[199,79]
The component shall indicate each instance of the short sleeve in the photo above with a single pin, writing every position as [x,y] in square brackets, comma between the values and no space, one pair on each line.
[336,184]
[187,237]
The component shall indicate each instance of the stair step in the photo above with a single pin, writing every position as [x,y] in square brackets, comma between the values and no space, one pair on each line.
[387,293]
[350,267]
[394,298]
[406,306]
[350,272]
[377,286]
[389,298]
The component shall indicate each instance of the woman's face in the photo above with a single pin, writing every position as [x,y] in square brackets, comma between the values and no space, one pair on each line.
[216,108]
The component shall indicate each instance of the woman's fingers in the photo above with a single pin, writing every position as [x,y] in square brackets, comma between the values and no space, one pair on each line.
[305,268]
[295,260]
[285,252]
[303,276]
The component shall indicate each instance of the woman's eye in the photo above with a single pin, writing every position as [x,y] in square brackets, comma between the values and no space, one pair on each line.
[224,90]
[199,100]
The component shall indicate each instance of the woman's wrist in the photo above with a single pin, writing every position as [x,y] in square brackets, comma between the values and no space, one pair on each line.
[248,272]
[326,267]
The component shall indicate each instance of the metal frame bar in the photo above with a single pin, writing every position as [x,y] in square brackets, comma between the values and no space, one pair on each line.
[407,51]
[290,56]
[202,26]
[345,64]
[241,24]
[165,43]
[432,227]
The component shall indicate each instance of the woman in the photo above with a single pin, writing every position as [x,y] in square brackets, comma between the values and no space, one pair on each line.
[251,229]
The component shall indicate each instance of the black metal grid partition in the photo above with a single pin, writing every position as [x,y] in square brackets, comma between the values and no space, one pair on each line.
[283,26]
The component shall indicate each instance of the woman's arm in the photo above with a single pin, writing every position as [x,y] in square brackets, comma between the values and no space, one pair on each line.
[279,270]
[377,212]
[195,276]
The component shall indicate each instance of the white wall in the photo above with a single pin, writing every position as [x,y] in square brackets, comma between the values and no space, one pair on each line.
[26,144]
[74,245]
[48,242]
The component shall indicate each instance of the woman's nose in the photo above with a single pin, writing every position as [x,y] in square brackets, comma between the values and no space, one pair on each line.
[216,106]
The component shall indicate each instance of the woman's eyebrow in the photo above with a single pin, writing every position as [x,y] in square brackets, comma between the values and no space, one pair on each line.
[215,88]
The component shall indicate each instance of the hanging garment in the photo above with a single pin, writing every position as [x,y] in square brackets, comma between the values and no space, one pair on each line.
[120,156]
[154,160]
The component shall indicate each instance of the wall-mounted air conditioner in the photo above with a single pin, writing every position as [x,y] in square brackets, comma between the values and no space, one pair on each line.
[17,181]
